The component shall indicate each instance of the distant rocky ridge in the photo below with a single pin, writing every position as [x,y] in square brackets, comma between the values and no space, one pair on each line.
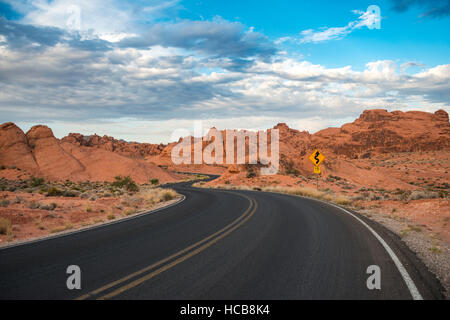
[374,132]
[101,158]
[379,131]
[129,149]
[39,153]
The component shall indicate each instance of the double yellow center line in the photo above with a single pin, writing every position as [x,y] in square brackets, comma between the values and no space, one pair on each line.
[179,257]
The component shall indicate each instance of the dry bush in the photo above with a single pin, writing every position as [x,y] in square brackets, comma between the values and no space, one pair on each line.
[418,194]
[341,200]
[65,227]
[298,191]
[151,196]
[222,186]
[168,195]
[5,226]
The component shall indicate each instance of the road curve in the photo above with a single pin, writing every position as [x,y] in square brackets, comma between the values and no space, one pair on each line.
[219,245]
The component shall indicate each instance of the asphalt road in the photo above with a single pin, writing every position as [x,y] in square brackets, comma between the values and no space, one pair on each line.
[220,245]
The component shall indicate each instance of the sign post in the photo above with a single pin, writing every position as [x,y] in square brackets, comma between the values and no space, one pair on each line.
[316,158]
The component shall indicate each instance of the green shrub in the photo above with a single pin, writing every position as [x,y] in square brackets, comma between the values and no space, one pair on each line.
[154,181]
[125,182]
[71,193]
[36,182]
[251,174]
[54,192]
[4,203]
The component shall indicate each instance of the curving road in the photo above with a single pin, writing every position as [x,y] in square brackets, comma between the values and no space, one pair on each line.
[221,245]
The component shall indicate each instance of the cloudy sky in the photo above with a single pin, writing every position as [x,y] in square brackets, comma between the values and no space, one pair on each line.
[138,70]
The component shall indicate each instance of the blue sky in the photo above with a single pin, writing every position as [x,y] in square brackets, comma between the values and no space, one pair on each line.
[404,36]
[139,70]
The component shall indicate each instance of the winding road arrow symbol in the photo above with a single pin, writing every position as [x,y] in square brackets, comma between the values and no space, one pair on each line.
[316,157]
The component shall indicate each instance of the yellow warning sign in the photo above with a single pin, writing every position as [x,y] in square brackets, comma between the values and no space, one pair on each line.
[317,170]
[316,158]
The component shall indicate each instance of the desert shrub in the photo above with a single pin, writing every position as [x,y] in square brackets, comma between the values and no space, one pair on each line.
[311,193]
[293,171]
[18,199]
[5,226]
[71,193]
[65,227]
[168,195]
[154,181]
[117,193]
[132,201]
[4,203]
[49,207]
[414,228]
[435,250]
[362,196]
[33,205]
[342,200]
[418,194]
[251,174]
[54,192]
[125,182]
[443,194]
[2,167]
[85,196]
[150,197]
[402,195]
[111,217]
[36,182]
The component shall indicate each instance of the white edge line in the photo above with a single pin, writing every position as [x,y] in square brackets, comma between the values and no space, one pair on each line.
[405,275]
[71,232]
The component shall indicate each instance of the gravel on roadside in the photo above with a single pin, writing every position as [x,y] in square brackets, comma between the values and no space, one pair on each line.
[429,247]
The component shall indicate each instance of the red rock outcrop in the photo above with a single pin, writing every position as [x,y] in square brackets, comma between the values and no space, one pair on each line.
[376,133]
[53,161]
[379,131]
[14,148]
[129,149]
[40,153]
[76,156]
